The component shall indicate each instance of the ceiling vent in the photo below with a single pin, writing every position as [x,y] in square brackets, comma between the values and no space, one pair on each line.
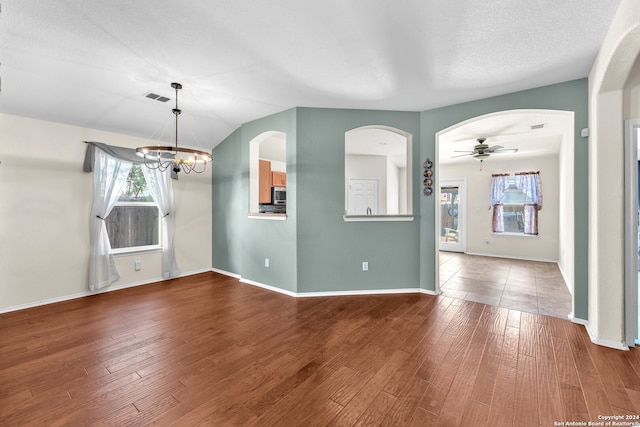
[540,126]
[156,97]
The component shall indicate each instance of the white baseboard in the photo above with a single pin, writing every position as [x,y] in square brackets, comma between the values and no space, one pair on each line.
[513,257]
[96,292]
[599,341]
[268,287]
[365,292]
[337,293]
[226,273]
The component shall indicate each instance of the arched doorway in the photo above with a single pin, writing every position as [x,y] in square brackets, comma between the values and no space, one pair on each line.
[541,134]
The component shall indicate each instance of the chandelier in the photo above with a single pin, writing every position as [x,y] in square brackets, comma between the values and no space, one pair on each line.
[177,158]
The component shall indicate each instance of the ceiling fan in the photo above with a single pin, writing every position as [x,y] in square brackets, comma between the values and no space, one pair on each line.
[482,151]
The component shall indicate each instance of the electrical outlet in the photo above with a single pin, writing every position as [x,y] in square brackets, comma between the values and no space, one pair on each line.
[266,262]
[365,265]
[137,264]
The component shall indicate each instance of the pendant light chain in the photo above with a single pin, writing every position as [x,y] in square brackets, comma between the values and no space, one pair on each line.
[178,158]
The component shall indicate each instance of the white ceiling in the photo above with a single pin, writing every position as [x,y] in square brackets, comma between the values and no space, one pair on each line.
[532,133]
[90,62]
[377,142]
[274,147]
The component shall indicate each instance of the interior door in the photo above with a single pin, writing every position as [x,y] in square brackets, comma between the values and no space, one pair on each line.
[363,197]
[452,215]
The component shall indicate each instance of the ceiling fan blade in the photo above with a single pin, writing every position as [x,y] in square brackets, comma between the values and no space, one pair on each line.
[462,155]
[494,148]
[463,151]
[506,150]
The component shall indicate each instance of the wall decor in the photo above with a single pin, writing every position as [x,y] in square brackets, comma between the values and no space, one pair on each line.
[428,175]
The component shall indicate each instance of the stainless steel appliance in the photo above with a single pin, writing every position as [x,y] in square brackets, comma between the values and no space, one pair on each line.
[279,195]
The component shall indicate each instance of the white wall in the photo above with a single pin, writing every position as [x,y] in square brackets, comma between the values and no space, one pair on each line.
[608,89]
[277,166]
[45,203]
[632,93]
[393,181]
[543,247]
[566,207]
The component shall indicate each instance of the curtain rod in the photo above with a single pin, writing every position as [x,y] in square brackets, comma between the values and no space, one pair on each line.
[516,173]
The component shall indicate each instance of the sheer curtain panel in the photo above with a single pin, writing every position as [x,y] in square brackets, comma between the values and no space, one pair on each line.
[109,175]
[499,183]
[530,184]
[159,184]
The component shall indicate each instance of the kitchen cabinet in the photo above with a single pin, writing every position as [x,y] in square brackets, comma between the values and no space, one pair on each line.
[264,181]
[278,179]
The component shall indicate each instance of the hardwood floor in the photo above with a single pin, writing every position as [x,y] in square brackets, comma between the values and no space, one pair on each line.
[208,350]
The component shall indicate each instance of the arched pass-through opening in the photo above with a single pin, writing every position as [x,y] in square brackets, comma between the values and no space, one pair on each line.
[377,174]
[268,147]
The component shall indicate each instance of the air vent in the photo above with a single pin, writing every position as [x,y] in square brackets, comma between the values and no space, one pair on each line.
[540,126]
[156,97]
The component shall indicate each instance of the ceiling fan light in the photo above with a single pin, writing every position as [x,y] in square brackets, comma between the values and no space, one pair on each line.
[481,156]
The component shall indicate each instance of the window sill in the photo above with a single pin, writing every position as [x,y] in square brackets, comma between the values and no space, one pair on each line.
[517,235]
[268,216]
[140,249]
[377,218]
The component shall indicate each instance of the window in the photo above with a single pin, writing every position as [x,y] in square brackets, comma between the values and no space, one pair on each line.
[134,222]
[377,171]
[513,209]
[516,200]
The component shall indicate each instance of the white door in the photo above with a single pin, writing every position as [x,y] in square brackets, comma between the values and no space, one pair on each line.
[452,215]
[363,197]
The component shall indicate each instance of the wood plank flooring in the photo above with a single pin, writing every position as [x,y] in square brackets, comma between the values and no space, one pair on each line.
[208,350]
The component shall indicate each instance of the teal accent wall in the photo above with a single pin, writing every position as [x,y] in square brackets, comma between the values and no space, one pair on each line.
[241,244]
[568,96]
[227,206]
[315,250]
[330,250]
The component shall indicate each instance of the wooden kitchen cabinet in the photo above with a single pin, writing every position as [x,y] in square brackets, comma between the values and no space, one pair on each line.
[279,179]
[264,181]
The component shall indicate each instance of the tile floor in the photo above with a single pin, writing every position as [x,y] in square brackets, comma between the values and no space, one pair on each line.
[531,286]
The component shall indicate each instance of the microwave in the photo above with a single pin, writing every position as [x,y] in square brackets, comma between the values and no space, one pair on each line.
[279,195]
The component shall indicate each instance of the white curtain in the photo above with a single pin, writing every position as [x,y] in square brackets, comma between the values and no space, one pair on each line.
[159,184]
[109,175]
[530,183]
[499,183]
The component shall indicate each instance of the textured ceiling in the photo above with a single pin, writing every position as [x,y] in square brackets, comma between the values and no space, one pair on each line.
[90,62]
[533,133]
